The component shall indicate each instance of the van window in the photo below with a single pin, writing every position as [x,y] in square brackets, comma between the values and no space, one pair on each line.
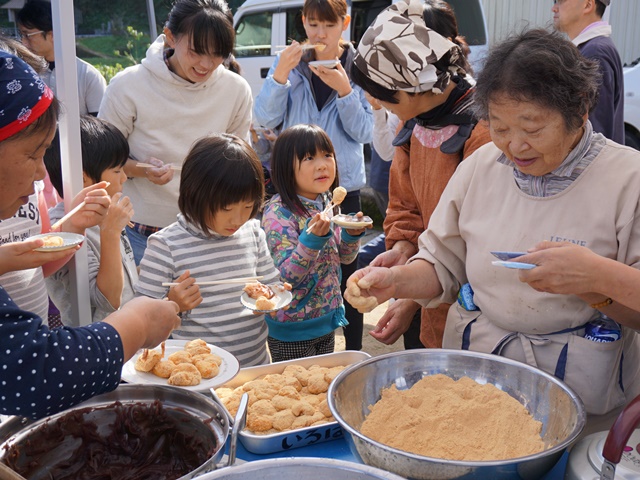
[362,15]
[253,35]
[295,29]
[470,21]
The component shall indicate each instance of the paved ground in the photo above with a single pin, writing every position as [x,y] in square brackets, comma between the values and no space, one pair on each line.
[370,344]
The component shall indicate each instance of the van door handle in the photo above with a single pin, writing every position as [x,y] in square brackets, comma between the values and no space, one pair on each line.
[264,72]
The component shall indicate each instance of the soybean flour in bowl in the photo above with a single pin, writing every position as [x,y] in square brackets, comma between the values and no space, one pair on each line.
[455,420]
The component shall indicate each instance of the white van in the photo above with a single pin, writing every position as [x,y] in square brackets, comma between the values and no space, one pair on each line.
[264,27]
[632,106]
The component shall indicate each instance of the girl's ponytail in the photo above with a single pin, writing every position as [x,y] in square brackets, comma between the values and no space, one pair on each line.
[440,17]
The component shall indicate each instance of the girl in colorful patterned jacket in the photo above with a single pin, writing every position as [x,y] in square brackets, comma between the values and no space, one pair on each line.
[305,246]
[298,90]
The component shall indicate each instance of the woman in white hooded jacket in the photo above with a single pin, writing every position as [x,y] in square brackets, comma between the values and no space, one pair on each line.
[180,92]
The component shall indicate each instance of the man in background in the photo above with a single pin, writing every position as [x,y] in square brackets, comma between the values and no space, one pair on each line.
[582,21]
[36,31]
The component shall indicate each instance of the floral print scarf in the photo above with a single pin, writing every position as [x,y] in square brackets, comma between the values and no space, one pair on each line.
[399,52]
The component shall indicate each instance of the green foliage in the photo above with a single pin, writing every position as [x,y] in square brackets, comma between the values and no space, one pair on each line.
[129,47]
[108,71]
[136,45]
[112,53]
[370,208]
[103,45]
[96,14]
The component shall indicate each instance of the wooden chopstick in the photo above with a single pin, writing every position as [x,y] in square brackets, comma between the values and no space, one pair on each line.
[326,210]
[329,207]
[67,216]
[304,47]
[148,165]
[219,282]
[310,227]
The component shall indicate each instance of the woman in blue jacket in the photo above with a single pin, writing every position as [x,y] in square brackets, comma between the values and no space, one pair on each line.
[298,91]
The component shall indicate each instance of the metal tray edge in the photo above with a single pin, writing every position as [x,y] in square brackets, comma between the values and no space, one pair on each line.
[348,357]
[271,443]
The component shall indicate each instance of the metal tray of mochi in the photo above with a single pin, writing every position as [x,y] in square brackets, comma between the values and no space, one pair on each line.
[300,437]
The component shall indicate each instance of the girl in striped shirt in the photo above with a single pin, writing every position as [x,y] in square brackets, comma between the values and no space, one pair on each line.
[215,238]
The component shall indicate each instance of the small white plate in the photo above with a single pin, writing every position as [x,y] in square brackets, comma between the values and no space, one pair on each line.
[345,220]
[517,265]
[324,63]
[70,241]
[228,369]
[282,300]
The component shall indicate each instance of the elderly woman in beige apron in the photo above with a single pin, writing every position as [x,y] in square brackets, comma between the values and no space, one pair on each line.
[546,176]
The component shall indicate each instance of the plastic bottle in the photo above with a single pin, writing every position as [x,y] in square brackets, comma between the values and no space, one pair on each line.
[603,329]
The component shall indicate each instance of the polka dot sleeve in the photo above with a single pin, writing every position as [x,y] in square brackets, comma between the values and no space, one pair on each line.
[44,371]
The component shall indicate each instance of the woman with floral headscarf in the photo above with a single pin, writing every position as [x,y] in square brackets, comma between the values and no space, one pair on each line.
[413,61]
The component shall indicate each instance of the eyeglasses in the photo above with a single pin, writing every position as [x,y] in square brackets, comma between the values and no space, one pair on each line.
[28,35]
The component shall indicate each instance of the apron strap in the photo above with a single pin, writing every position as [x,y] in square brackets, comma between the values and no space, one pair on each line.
[466,335]
[528,341]
[562,363]
[562,358]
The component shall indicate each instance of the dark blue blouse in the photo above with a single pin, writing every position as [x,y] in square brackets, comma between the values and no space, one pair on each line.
[43,371]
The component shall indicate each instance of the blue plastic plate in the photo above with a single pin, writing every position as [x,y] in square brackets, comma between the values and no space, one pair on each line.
[507,255]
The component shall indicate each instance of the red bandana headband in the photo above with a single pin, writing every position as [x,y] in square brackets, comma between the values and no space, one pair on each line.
[24,97]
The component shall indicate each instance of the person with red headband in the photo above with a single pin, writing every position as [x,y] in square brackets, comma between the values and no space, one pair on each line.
[43,371]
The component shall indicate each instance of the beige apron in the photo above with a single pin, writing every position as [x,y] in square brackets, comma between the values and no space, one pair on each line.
[595,371]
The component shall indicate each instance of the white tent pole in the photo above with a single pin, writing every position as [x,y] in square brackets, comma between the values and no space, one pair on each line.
[69,127]
[151,13]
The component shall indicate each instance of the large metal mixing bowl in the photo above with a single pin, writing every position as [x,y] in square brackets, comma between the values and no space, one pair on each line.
[299,468]
[18,429]
[549,400]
